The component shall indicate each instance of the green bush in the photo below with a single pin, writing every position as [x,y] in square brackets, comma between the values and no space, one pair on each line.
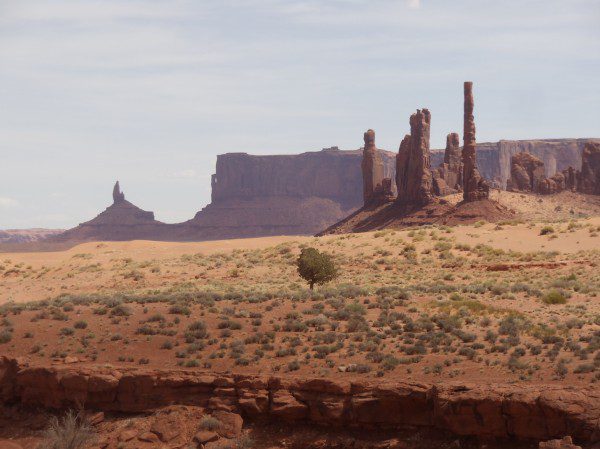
[316,267]
[554,297]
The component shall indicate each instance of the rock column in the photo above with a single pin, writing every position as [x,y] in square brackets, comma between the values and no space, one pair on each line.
[372,167]
[118,196]
[588,180]
[475,187]
[413,174]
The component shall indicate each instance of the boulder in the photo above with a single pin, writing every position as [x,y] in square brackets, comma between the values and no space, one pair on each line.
[231,424]
[205,436]
[285,406]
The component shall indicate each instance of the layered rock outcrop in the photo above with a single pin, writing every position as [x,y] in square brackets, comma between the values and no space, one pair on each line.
[413,176]
[447,178]
[539,412]
[20,236]
[493,158]
[526,173]
[475,188]
[372,168]
[588,179]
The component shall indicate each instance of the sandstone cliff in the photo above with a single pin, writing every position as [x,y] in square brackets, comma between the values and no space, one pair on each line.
[17,236]
[519,411]
[298,194]
[493,158]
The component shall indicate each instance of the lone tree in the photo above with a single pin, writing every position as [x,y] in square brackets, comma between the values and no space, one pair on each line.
[315,267]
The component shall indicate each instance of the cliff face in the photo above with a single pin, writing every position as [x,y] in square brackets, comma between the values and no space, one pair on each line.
[305,193]
[537,412]
[295,194]
[17,236]
[493,158]
[283,194]
[331,174]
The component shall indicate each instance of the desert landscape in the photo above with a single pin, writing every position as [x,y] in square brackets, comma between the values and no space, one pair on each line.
[391,292]
[508,305]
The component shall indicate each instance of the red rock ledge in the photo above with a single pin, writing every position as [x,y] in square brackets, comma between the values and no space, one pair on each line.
[538,412]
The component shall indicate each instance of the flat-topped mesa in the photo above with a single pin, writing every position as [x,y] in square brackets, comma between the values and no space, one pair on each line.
[413,175]
[372,168]
[118,196]
[475,188]
[588,179]
[447,178]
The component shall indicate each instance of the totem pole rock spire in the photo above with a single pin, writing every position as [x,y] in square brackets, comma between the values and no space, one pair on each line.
[413,174]
[475,187]
[372,167]
[118,196]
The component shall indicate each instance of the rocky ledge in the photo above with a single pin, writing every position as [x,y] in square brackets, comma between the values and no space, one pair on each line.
[528,411]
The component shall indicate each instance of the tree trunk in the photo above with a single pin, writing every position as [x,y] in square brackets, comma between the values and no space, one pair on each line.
[312,284]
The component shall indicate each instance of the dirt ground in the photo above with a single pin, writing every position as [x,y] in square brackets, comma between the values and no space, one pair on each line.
[504,302]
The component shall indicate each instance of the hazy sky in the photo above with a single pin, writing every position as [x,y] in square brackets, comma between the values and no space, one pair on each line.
[149,92]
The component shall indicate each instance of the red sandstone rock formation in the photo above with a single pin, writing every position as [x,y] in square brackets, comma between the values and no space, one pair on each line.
[474,186]
[372,168]
[122,220]
[570,178]
[447,178]
[118,196]
[563,443]
[413,176]
[526,173]
[19,236]
[588,180]
[528,411]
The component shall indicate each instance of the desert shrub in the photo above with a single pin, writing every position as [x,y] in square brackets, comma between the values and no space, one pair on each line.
[195,331]
[294,365]
[179,309]
[167,345]
[316,267]
[120,310]
[209,423]
[80,324]
[554,297]
[546,230]
[69,432]
[5,336]
[243,442]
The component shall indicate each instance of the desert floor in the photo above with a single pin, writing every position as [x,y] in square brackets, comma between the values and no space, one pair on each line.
[507,302]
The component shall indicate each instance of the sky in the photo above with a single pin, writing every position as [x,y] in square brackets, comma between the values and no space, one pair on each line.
[150,92]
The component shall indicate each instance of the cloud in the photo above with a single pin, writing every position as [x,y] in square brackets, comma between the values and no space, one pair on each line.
[6,203]
[414,4]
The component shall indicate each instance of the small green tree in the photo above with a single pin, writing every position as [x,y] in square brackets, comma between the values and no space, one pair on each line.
[316,267]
